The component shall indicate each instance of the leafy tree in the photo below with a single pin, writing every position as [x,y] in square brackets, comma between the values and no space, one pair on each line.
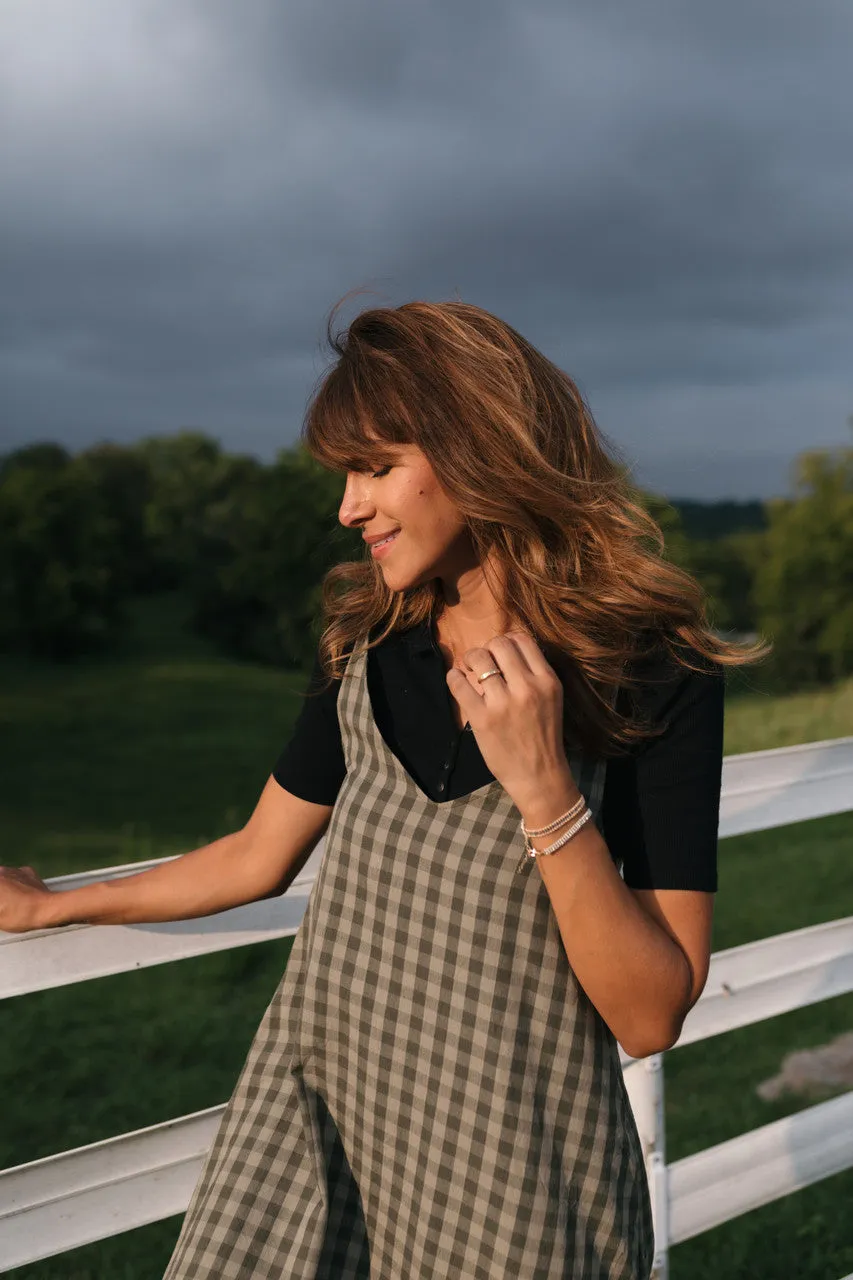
[124,483]
[668,517]
[724,565]
[268,543]
[61,587]
[804,577]
[726,568]
[188,475]
[713,520]
[44,455]
[250,543]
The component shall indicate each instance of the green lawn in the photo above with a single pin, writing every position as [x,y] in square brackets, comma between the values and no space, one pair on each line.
[156,753]
[168,747]
[757,721]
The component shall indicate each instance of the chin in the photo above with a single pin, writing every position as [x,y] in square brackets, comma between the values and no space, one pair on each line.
[397,580]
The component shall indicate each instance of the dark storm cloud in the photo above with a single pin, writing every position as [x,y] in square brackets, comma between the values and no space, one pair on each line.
[657,195]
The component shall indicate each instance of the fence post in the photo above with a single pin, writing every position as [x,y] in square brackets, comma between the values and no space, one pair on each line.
[644,1082]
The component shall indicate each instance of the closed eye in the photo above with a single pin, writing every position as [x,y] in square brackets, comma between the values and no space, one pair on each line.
[377,475]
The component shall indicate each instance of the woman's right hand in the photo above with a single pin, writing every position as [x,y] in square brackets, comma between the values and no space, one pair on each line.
[23,898]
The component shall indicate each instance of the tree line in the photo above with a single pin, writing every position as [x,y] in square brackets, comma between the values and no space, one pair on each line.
[247,543]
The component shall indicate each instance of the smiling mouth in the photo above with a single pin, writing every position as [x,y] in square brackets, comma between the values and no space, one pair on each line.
[385,541]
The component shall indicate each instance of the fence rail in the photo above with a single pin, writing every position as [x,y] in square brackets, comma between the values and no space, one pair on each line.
[77,1197]
[760,789]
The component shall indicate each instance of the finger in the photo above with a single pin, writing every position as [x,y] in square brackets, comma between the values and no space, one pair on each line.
[533,654]
[502,654]
[475,663]
[468,698]
[512,657]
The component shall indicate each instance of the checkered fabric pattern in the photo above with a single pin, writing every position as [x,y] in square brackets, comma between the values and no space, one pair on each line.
[430,1093]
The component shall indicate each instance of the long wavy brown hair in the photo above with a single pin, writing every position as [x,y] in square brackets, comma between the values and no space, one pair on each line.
[544,496]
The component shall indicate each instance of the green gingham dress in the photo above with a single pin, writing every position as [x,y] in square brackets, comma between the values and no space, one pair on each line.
[430,1093]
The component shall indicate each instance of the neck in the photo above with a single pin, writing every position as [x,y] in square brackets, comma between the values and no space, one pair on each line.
[456,630]
[472,606]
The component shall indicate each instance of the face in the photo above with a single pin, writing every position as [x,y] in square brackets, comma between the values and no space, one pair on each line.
[432,540]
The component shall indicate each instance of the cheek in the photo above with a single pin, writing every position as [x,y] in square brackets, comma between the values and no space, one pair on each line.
[418,497]
[424,505]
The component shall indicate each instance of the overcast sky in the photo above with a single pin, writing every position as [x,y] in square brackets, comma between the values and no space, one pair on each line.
[659,195]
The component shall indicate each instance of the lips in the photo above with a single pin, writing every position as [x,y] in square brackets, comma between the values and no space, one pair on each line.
[376,538]
[384,544]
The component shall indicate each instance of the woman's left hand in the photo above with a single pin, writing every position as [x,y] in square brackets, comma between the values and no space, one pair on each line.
[516,717]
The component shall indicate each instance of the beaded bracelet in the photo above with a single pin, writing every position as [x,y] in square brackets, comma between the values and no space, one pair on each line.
[530,854]
[558,822]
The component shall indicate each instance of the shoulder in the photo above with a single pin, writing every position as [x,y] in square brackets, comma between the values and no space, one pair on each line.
[669,688]
[662,798]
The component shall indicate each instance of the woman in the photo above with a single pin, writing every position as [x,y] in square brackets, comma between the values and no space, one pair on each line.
[516,698]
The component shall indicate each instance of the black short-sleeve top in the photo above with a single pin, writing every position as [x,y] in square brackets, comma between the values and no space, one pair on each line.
[661,802]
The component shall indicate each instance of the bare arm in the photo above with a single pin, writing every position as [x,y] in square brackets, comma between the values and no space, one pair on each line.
[258,861]
[642,956]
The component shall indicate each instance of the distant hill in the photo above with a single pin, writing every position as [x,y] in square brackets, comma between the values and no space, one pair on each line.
[716,519]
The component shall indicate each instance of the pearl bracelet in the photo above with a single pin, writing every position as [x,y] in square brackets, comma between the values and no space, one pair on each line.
[530,854]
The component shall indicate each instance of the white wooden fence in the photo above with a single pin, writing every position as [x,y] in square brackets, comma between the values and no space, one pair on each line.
[51,1205]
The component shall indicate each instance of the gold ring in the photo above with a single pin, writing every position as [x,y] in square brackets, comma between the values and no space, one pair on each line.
[486,674]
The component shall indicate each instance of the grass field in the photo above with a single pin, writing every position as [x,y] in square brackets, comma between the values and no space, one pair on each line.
[167,747]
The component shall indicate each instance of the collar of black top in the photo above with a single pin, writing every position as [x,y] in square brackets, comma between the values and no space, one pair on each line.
[419,638]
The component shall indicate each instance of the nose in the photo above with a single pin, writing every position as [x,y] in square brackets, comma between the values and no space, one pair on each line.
[356,505]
